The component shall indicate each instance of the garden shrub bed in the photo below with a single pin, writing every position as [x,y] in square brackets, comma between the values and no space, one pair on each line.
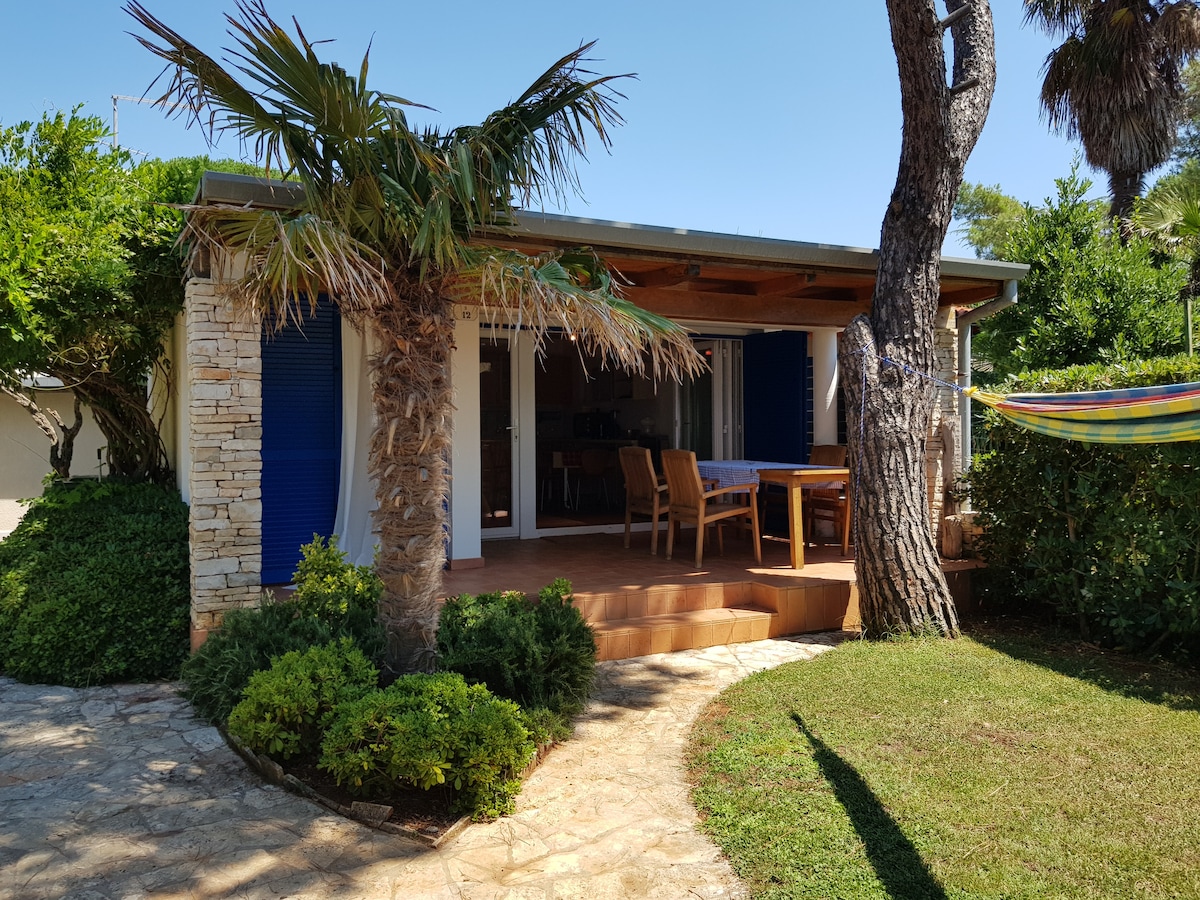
[1106,535]
[94,586]
[426,817]
[292,688]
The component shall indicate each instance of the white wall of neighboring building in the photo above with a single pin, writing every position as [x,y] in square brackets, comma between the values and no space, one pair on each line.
[25,452]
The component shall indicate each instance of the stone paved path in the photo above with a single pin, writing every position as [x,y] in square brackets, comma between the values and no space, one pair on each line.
[117,792]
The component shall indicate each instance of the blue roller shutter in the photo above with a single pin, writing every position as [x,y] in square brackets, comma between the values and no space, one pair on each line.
[302,425]
[776,379]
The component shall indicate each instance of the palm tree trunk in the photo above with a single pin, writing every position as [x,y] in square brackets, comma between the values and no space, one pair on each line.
[408,460]
[1125,187]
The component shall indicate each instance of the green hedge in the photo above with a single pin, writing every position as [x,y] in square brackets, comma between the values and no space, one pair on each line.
[285,709]
[539,652]
[334,599]
[1107,535]
[94,586]
[427,730]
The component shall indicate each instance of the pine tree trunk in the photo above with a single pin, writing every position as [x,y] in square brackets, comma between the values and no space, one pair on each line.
[409,456]
[889,405]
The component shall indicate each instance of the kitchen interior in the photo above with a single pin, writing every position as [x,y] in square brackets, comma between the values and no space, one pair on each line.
[585,414]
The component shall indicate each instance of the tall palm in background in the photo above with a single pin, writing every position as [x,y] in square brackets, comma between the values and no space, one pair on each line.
[387,229]
[1114,82]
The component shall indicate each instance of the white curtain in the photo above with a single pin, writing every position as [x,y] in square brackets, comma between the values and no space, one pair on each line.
[356,490]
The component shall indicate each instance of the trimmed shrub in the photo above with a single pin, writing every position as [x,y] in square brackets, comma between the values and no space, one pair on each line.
[94,586]
[1107,535]
[249,639]
[337,601]
[285,709]
[542,653]
[426,730]
[333,590]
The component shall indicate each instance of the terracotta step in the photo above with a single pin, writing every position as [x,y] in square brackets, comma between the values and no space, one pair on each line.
[685,630]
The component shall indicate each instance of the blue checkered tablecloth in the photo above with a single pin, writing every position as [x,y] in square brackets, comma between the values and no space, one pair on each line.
[745,471]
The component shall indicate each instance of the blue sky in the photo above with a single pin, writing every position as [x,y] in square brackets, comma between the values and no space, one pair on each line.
[772,119]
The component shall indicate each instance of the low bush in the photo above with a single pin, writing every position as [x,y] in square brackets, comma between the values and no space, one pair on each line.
[540,653]
[427,730]
[286,708]
[1107,535]
[94,586]
[337,601]
[333,590]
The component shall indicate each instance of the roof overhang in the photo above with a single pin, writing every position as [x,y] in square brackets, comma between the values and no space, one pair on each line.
[698,276]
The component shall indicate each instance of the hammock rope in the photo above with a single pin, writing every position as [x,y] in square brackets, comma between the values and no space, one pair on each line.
[1145,415]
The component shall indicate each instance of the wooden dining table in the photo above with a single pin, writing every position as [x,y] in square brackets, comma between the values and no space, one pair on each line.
[793,478]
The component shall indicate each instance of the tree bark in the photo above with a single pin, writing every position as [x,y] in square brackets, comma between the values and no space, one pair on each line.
[134,448]
[884,357]
[409,457]
[1125,187]
[49,422]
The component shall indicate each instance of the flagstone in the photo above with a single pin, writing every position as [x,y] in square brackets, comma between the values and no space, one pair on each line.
[117,792]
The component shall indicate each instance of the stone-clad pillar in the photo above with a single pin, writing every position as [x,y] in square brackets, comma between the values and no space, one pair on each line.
[224,413]
[945,413]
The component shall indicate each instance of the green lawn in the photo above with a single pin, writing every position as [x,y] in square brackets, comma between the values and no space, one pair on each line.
[998,766]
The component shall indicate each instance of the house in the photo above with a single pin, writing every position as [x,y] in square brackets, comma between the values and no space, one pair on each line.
[271,428]
[25,450]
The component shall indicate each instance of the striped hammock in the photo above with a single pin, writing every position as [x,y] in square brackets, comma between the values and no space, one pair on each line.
[1149,415]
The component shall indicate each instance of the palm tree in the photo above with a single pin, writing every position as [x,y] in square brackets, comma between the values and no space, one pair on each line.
[1114,82]
[388,228]
[1170,215]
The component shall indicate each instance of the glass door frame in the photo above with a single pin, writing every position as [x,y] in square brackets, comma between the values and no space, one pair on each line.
[498,338]
[728,416]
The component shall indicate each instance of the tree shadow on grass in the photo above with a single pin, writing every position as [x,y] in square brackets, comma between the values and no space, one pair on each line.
[1112,670]
[897,864]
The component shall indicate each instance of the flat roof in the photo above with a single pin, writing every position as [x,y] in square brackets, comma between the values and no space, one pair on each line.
[600,232]
[696,275]
[241,190]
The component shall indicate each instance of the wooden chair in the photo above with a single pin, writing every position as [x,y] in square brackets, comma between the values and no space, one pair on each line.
[832,504]
[644,494]
[593,472]
[690,502]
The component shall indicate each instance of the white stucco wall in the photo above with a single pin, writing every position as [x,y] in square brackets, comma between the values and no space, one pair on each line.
[25,451]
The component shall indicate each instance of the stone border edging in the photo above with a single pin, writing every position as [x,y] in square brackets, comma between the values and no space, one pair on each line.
[373,815]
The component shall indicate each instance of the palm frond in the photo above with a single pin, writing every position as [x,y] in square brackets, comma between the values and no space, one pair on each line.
[287,260]
[573,292]
[528,150]
[1114,81]
[1056,17]
[1179,28]
[1171,214]
[200,89]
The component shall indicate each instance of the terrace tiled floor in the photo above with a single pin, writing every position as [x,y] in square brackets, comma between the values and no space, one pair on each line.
[600,563]
[641,604]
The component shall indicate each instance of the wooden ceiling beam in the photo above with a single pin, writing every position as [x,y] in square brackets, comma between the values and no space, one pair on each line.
[970,295]
[719,286]
[663,277]
[747,310]
[785,284]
